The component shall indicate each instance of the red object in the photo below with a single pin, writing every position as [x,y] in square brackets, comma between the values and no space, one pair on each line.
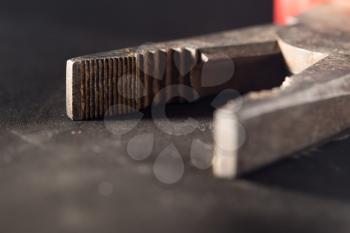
[286,10]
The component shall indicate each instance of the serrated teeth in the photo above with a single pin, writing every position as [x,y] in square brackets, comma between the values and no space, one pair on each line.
[126,83]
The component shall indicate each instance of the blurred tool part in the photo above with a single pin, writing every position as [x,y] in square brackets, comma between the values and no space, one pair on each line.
[311,107]
[286,10]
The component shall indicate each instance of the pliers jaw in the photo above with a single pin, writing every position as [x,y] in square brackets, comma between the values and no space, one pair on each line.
[294,80]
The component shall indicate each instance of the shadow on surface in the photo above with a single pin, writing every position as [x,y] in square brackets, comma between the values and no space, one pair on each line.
[322,171]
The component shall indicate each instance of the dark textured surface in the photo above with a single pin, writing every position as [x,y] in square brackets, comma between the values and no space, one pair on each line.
[52,169]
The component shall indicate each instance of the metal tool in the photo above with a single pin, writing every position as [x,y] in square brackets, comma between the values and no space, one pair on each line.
[311,106]
[127,80]
[302,110]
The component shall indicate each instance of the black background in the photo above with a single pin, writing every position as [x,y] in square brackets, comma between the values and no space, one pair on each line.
[154,19]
